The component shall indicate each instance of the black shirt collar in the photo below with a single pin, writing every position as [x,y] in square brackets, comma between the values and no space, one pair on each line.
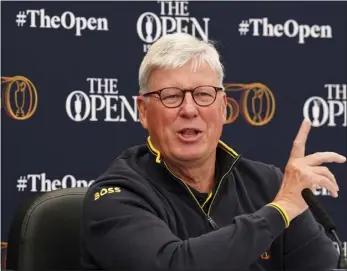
[226,158]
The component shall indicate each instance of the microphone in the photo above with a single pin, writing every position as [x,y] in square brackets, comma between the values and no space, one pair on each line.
[326,221]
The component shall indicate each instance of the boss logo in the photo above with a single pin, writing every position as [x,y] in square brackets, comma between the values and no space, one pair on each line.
[104,191]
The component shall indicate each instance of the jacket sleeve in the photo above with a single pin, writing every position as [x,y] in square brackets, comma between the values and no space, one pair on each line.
[306,245]
[121,231]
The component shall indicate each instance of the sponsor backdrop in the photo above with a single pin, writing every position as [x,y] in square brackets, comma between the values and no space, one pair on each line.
[69,84]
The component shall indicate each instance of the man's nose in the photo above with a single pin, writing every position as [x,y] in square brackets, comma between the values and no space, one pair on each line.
[189,107]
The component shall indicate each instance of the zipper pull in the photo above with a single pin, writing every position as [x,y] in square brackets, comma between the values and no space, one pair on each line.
[212,223]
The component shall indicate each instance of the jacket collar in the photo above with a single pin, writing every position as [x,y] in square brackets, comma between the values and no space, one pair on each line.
[226,158]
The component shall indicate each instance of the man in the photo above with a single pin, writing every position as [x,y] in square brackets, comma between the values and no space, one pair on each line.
[187,201]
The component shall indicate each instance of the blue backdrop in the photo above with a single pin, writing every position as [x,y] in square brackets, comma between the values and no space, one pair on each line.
[69,82]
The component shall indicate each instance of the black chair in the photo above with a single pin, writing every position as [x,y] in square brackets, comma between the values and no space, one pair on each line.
[45,233]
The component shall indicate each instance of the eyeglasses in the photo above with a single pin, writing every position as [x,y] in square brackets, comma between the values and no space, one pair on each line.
[173,97]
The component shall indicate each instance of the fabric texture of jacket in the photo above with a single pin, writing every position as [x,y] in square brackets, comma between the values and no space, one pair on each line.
[139,216]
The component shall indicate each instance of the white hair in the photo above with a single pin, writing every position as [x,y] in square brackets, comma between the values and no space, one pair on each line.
[174,51]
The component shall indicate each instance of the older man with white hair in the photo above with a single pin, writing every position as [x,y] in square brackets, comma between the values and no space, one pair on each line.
[187,201]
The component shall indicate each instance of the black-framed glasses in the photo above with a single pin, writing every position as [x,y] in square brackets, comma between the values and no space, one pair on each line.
[172,97]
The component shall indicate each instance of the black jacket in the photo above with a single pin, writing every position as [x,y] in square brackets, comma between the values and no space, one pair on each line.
[139,216]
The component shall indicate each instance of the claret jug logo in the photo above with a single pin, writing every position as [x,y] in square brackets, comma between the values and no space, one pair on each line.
[102,103]
[19,97]
[330,111]
[256,103]
[174,17]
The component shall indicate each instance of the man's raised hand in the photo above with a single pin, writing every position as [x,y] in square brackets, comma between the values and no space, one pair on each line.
[305,172]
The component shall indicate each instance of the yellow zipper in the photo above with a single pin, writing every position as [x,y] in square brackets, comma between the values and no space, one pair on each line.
[232,165]
[209,218]
[190,191]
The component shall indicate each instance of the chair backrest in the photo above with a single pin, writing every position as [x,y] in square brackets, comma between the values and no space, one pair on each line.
[45,233]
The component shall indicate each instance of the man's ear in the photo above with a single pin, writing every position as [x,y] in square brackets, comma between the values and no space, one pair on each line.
[142,108]
[224,107]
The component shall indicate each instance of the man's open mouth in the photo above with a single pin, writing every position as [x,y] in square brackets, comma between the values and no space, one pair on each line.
[189,132]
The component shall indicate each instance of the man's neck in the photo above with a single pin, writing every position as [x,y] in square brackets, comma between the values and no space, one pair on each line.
[199,175]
